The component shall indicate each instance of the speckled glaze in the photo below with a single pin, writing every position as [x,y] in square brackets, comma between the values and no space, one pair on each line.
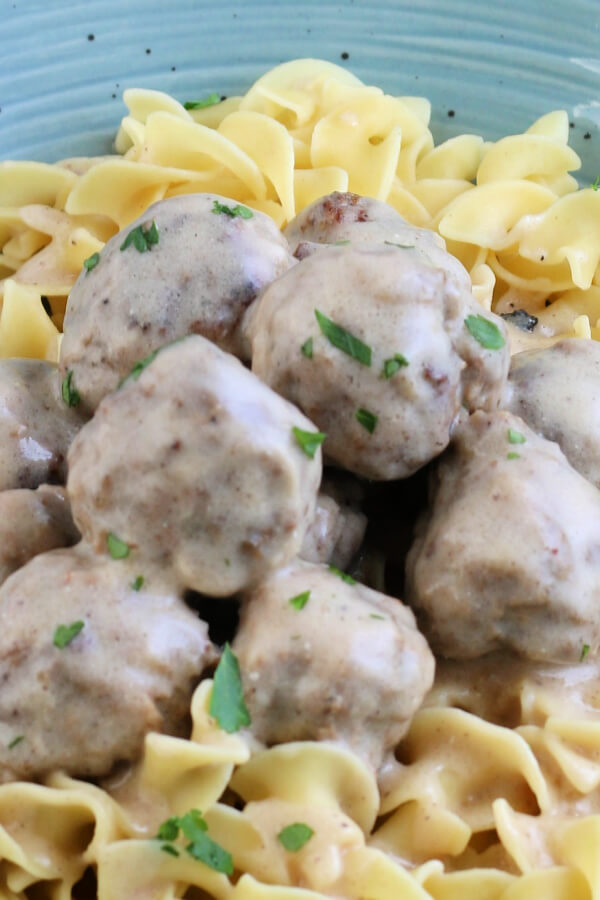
[497,66]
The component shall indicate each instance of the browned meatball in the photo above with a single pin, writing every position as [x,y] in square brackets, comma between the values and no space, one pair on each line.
[335,533]
[32,522]
[508,555]
[205,268]
[197,466]
[372,343]
[557,392]
[88,703]
[349,665]
[36,427]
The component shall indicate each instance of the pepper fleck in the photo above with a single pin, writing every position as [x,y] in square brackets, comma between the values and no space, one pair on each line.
[571,124]
[148,50]
[345,55]
[91,37]
[451,113]
[587,136]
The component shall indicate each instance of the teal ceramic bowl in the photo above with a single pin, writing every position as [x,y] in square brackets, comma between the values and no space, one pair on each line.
[487,68]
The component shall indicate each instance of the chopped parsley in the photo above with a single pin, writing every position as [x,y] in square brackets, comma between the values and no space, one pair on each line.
[140,366]
[513,455]
[16,740]
[376,616]
[584,652]
[393,364]
[343,243]
[71,397]
[117,548]
[594,186]
[343,575]
[91,262]
[402,246]
[64,634]
[227,699]
[194,828]
[342,339]
[308,441]
[141,238]
[211,100]
[307,348]
[241,212]
[137,583]
[294,837]
[300,600]
[485,332]
[367,419]
[515,437]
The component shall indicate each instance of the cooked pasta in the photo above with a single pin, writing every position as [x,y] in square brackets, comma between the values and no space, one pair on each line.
[491,799]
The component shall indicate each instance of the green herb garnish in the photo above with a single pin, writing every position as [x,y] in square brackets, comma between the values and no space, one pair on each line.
[137,583]
[402,246]
[233,212]
[376,616]
[64,634]
[117,548]
[294,837]
[169,830]
[584,652]
[391,366]
[201,846]
[367,419]
[91,262]
[308,441]
[343,340]
[140,366]
[513,455]
[71,397]
[16,740]
[141,238]
[227,700]
[300,600]
[343,575]
[595,183]
[515,437]
[307,348]
[485,332]
[169,848]
[341,243]
[211,100]
[211,854]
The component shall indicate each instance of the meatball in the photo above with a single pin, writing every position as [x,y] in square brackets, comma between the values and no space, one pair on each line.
[82,697]
[508,555]
[197,465]
[349,665]
[32,522]
[557,392]
[204,269]
[349,217]
[36,426]
[371,342]
[335,533]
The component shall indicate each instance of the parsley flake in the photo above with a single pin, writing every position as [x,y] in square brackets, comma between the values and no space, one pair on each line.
[367,419]
[211,100]
[300,600]
[584,652]
[211,854]
[170,849]
[91,262]
[343,243]
[169,830]
[513,456]
[117,548]
[139,367]
[294,837]
[241,212]
[376,616]
[70,396]
[515,437]
[141,238]
[594,186]
[64,634]
[227,700]
[16,740]
[402,246]
[342,339]
[307,348]
[201,847]
[343,575]
[308,441]
[137,583]
[485,332]
[391,366]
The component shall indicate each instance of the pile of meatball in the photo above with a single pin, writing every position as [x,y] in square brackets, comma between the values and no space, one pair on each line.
[227,397]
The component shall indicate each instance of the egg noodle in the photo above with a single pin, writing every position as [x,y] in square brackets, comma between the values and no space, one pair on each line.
[482,805]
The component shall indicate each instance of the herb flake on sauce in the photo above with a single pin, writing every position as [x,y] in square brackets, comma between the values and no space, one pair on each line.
[367,419]
[485,332]
[64,634]
[300,600]
[239,211]
[343,340]
[308,441]
[15,741]
[294,837]
[70,396]
[343,575]
[117,548]
[393,364]
[227,699]
[142,238]
[307,348]
[91,262]
[211,100]
[515,437]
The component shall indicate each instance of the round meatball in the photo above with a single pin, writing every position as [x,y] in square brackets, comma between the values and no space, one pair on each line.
[349,217]
[206,266]
[199,466]
[335,533]
[371,342]
[508,555]
[349,665]
[89,665]
[36,426]
[32,522]
[557,392]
